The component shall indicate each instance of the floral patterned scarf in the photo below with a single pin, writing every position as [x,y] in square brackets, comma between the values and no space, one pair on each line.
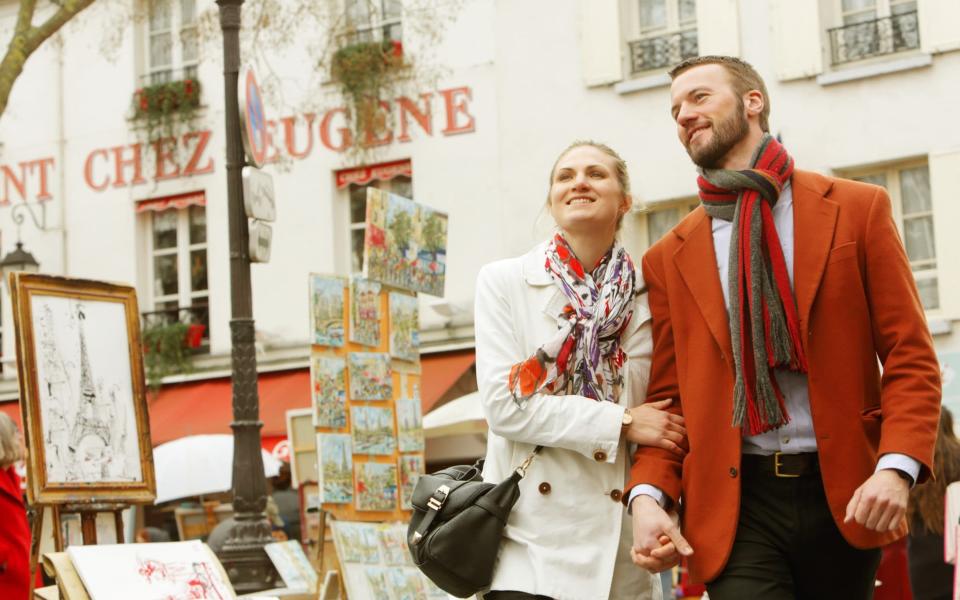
[585,356]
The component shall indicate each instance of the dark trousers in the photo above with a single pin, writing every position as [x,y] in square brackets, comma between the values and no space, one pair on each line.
[508,595]
[787,546]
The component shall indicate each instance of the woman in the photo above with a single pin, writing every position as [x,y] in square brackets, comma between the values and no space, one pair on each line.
[563,356]
[14,532]
[930,577]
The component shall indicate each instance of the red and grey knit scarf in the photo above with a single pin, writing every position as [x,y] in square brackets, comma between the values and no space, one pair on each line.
[764,327]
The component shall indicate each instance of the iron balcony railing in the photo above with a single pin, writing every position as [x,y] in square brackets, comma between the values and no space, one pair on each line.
[877,37]
[662,51]
[196,317]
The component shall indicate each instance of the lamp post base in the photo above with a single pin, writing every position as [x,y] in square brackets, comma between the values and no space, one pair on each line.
[247,565]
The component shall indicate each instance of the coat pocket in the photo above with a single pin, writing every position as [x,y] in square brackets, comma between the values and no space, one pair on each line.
[842,252]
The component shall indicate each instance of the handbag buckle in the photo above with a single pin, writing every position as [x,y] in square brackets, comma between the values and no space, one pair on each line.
[434,503]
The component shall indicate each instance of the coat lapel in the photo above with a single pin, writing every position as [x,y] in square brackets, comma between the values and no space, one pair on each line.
[536,275]
[814,222]
[696,262]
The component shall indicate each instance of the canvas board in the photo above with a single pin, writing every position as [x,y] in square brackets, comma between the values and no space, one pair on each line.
[293,566]
[329,391]
[335,460]
[404,326]
[365,312]
[372,430]
[410,425]
[326,310]
[410,468]
[376,486]
[371,376]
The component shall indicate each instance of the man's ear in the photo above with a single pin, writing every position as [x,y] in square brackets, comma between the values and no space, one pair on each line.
[754,102]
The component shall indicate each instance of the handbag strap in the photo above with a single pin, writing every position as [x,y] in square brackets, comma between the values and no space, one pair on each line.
[522,469]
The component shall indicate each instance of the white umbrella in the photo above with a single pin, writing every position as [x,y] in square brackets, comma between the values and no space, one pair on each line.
[199,464]
[463,415]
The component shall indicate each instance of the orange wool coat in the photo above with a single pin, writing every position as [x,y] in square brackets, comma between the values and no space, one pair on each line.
[857,303]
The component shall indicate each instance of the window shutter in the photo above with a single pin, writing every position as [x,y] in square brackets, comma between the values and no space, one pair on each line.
[945,193]
[600,41]
[797,32]
[939,25]
[718,27]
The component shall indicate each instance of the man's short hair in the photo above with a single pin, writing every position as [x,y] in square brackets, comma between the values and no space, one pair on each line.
[743,77]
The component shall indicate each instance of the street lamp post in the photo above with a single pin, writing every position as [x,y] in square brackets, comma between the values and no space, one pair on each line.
[242,554]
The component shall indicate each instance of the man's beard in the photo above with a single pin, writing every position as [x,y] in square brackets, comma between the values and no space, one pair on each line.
[726,135]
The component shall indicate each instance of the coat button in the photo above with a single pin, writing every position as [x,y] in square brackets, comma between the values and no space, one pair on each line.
[600,456]
[616,495]
[544,488]
[733,471]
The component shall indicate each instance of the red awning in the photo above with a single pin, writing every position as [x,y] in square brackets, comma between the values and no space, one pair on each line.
[167,202]
[381,172]
[439,372]
[12,409]
[207,406]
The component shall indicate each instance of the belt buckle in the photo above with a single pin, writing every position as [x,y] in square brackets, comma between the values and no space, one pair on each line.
[777,465]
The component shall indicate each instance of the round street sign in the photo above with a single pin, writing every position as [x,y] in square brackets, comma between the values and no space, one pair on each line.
[256,139]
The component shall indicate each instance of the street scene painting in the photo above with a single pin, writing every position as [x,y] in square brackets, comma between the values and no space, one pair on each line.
[365,312]
[404,326]
[393,544]
[293,566]
[371,377]
[372,430]
[335,468]
[326,310]
[409,425]
[172,571]
[356,542]
[405,244]
[376,486]
[411,468]
[329,391]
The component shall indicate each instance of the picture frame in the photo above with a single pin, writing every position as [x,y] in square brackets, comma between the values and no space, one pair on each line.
[82,389]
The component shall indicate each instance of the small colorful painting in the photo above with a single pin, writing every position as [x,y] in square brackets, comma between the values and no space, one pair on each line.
[405,244]
[356,542]
[329,391]
[365,312]
[409,425]
[371,377]
[372,430]
[404,326]
[393,544]
[406,584]
[335,468]
[326,310]
[376,486]
[411,468]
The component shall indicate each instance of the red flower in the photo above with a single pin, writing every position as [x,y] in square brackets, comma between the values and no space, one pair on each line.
[188,87]
[141,99]
[397,47]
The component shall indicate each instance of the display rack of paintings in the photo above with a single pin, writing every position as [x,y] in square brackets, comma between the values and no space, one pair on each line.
[405,244]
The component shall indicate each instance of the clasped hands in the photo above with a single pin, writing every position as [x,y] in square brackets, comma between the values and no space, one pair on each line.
[879,505]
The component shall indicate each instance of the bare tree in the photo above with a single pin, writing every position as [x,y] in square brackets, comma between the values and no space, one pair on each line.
[27,37]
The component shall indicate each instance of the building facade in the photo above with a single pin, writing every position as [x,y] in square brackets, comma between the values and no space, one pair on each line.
[863,89]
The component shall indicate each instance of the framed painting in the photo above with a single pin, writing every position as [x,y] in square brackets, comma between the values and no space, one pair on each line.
[83,399]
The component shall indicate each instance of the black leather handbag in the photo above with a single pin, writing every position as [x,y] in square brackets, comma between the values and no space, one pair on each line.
[458,520]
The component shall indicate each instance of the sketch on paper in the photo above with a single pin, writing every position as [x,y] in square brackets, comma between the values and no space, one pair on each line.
[411,468]
[86,394]
[404,326]
[405,244]
[371,377]
[329,391]
[335,468]
[409,425]
[326,310]
[372,430]
[293,566]
[365,312]
[356,542]
[171,571]
[393,544]
[376,487]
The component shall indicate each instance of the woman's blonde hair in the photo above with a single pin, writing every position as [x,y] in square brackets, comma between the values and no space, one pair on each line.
[620,167]
[9,442]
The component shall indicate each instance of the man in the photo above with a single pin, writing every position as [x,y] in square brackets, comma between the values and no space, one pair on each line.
[772,303]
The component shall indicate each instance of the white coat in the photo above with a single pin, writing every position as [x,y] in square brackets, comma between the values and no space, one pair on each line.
[568,537]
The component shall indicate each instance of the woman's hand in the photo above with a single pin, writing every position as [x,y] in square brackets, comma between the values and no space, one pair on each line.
[654,426]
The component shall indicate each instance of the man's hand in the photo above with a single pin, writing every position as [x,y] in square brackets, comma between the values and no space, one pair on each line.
[654,426]
[880,503]
[657,543]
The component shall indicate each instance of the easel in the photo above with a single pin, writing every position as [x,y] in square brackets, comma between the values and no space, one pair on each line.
[88,512]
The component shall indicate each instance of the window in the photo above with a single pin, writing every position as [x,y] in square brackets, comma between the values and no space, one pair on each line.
[662,219]
[662,33]
[172,40]
[909,189]
[402,185]
[874,28]
[373,20]
[177,250]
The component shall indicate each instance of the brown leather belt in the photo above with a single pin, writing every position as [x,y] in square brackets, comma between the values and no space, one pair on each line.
[781,465]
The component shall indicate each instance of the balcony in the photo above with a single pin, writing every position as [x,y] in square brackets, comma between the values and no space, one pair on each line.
[662,51]
[877,37]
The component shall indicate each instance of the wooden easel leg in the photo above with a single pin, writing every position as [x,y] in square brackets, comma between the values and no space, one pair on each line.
[88,524]
[35,513]
[118,522]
